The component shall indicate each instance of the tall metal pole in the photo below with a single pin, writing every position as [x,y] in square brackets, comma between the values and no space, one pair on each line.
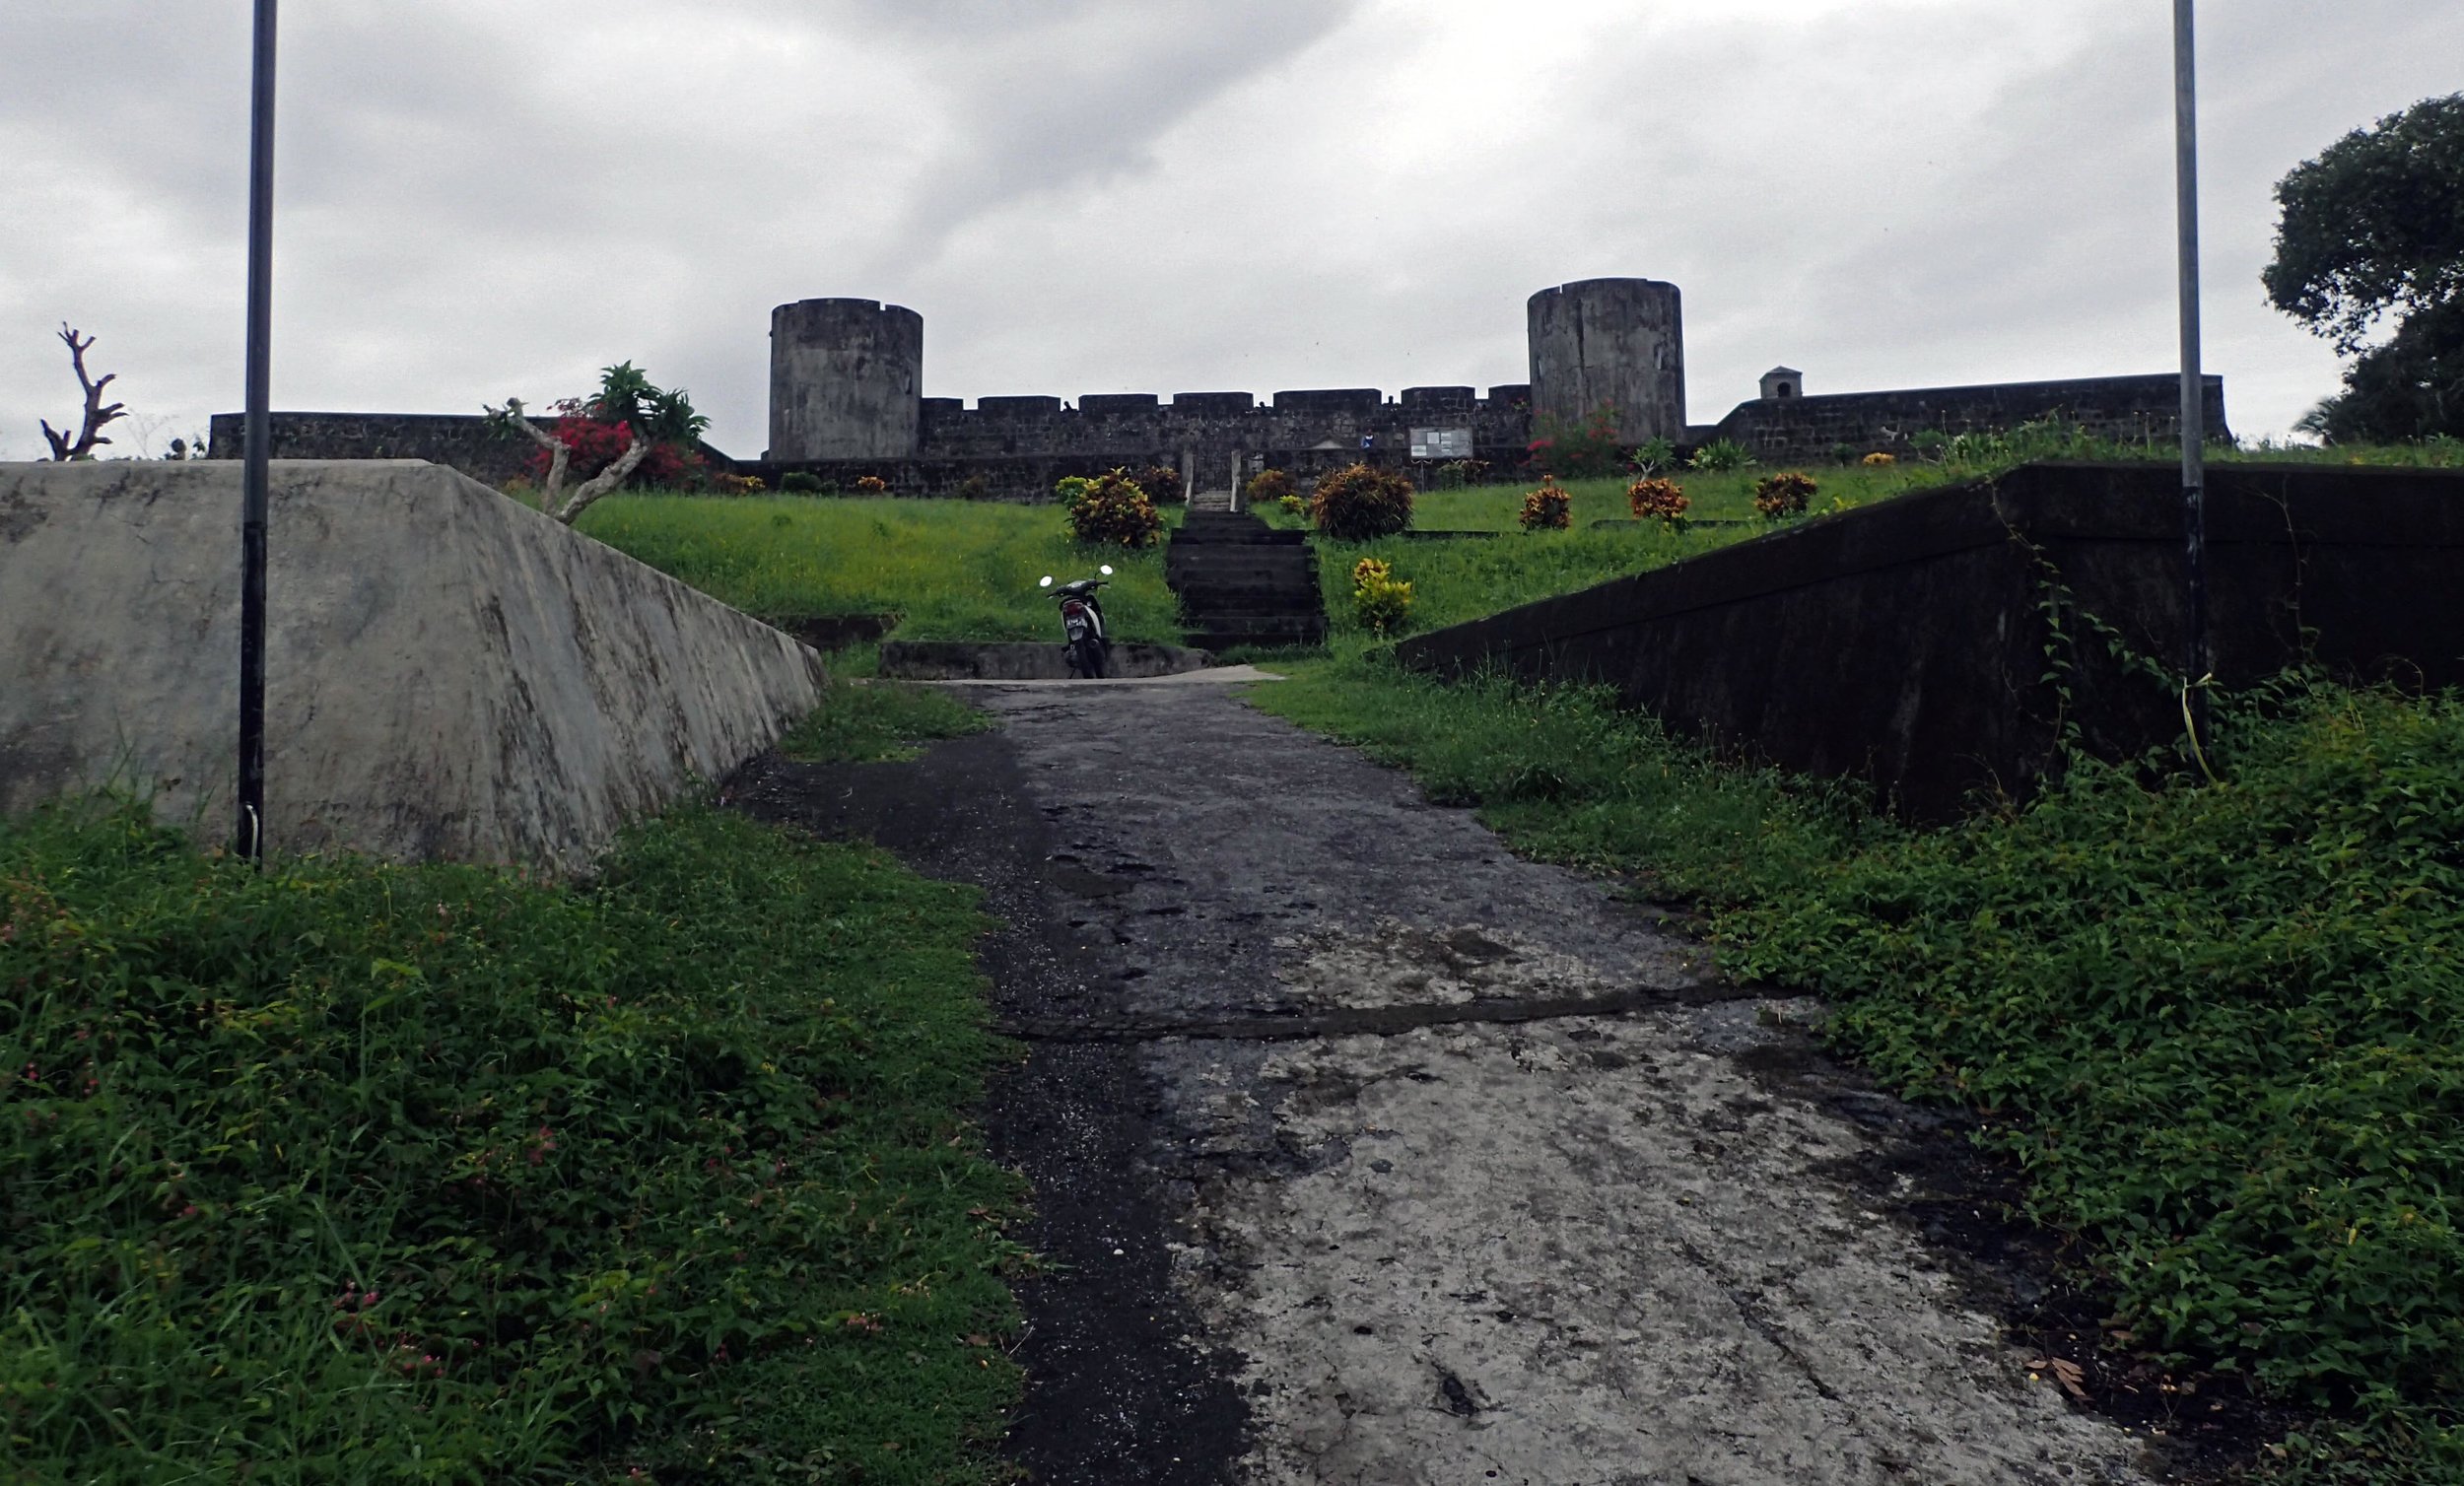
[2194,384]
[250,837]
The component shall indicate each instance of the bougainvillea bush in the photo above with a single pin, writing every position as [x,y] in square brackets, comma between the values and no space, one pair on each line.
[1115,511]
[1358,503]
[1576,447]
[598,429]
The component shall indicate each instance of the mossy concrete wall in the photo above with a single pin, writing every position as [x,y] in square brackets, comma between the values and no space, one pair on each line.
[1908,644]
[449,674]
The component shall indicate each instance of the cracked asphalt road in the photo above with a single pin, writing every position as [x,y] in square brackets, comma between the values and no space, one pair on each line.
[1368,1153]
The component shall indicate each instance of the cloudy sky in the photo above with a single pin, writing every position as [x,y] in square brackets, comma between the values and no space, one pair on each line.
[480,198]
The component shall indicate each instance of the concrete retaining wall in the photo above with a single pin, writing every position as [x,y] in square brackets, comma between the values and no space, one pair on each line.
[450,674]
[1905,644]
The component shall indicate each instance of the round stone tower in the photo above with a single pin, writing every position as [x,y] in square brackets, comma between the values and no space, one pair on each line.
[846,380]
[1610,342]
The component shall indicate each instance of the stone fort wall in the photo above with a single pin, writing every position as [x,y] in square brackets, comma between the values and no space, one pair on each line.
[1809,430]
[846,377]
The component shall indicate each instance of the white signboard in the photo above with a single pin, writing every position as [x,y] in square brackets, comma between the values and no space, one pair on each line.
[1441,444]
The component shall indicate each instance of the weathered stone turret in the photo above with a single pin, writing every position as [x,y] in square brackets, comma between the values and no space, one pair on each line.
[1615,343]
[846,380]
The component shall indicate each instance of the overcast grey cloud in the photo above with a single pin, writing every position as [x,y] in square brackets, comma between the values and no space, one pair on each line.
[480,199]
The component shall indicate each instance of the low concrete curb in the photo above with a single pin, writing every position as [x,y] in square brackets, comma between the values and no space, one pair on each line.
[1024,660]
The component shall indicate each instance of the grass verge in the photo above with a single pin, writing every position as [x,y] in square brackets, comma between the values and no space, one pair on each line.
[949,570]
[358,1172]
[874,721]
[2219,1024]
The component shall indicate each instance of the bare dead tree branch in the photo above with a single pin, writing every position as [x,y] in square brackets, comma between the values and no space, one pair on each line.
[90,430]
[558,453]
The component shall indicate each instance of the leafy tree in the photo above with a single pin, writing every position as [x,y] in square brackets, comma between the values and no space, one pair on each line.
[626,395]
[628,425]
[2412,387]
[2372,228]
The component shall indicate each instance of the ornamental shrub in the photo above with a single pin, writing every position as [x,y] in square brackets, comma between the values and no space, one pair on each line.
[1292,505]
[975,487]
[1360,505]
[872,485]
[1071,489]
[800,483]
[1721,454]
[1115,511]
[1878,459]
[1268,487]
[1783,495]
[598,429]
[1547,508]
[1588,446]
[737,484]
[1653,455]
[1380,603]
[1456,474]
[1652,498]
[1161,483]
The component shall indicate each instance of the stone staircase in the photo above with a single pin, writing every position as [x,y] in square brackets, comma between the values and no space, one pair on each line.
[1211,499]
[1242,583]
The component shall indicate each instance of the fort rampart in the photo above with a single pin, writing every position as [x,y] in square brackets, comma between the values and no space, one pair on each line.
[846,403]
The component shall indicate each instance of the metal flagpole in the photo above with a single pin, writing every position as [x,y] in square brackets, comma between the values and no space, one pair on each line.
[2194,384]
[252,498]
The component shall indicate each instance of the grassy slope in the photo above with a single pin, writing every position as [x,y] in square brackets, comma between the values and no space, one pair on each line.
[360,1171]
[950,570]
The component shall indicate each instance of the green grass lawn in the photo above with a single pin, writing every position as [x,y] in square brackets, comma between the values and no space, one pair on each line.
[355,1171]
[949,570]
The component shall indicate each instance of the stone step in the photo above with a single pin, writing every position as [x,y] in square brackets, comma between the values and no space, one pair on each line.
[1196,568]
[1268,633]
[1242,583]
[1211,534]
[1200,607]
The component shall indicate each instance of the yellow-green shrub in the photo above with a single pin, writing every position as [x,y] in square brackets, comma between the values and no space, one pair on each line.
[1381,603]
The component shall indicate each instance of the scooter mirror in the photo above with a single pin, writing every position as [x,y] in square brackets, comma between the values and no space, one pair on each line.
[1105,569]
[1047,582]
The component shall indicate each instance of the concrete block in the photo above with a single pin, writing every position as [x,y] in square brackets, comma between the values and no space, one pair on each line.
[449,674]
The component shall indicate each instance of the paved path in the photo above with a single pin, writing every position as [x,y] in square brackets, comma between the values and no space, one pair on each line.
[1370,1153]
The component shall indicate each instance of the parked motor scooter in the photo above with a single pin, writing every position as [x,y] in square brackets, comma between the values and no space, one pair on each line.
[1082,624]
